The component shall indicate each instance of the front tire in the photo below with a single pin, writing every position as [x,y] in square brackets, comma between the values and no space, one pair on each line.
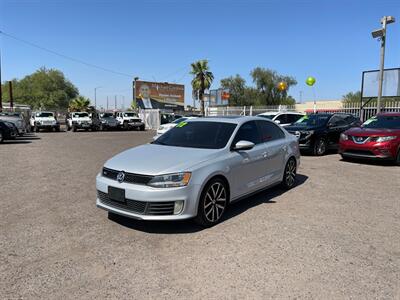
[397,161]
[289,175]
[73,128]
[212,204]
[36,129]
[1,137]
[319,147]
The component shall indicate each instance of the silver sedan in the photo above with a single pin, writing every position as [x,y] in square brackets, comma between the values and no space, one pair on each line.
[197,168]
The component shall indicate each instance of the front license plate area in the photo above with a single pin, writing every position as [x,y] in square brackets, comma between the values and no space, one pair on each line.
[116,194]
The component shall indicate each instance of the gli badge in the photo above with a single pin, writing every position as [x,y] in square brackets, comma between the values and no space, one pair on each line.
[121,177]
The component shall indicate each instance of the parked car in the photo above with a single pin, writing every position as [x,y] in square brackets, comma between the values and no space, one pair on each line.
[129,120]
[166,118]
[319,132]
[197,169]
[17,119]
[282,118]
[8,131]
[44,120]
[80,120]
[164,128]
[107,121]
[377,138]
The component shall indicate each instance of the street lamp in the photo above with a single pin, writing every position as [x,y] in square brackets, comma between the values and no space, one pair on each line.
[381,34]
[95,96]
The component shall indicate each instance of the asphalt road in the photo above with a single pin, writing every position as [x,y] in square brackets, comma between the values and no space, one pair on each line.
[335,235]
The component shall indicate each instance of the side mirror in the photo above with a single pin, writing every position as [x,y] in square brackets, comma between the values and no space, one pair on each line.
[243,145]
[277,122]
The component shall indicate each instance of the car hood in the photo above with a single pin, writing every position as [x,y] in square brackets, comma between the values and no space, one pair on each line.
[45,119]
[302,128]
[151,159]
[82,119]
[360,131]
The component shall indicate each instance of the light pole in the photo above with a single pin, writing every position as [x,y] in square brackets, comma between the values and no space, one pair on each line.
[95,96]
[381,34]
[134,89]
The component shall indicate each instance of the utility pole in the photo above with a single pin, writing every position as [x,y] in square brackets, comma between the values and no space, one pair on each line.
[134,89]
[301,96]
[107,102]
[11,95]
[95,96]
[115,102]
[381,34]
[1,92]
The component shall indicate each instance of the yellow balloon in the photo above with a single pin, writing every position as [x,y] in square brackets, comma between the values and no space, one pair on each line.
[282,86]
[310,81]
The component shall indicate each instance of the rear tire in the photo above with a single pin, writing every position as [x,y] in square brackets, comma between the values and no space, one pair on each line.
[213,203]
[36,129]
[73,128]
[289,175]
[126,125]
[319,147]
[1,137]
[142,128]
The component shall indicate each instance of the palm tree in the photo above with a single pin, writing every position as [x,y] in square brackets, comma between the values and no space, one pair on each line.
[202,79]
[79,104]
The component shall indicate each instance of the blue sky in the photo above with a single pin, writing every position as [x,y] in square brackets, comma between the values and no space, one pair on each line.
[157,40]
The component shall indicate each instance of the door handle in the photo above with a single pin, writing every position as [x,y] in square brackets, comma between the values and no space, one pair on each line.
[265,154]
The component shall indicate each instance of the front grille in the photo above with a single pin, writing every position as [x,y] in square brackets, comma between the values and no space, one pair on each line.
[359,152]
[139,207]
[359,139]
[129,177]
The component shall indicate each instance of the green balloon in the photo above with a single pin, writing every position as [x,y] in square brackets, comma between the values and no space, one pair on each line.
[310,81]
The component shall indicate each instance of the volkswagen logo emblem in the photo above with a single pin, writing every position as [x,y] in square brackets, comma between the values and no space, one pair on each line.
[121,177]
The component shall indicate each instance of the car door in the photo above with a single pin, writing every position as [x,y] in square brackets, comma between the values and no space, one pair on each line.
[248,167]
[275,143]
[336,125]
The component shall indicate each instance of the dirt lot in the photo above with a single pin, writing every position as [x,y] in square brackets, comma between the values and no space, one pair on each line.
[336,235]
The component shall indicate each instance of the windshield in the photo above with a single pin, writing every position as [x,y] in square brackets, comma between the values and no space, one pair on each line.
[106,115]
[205,135]
[130,114]
[313,120]
[10,114]
[270,117]
[390,122]
[179,120]
[44,115]
[81,115]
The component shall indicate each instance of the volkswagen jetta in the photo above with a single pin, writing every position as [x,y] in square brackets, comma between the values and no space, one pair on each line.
[197,168]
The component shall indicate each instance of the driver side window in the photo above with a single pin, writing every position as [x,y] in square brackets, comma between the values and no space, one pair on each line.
[248,132]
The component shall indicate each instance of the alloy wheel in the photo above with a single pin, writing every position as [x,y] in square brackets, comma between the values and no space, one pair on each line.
[290,173]
[321,148]
[214,202]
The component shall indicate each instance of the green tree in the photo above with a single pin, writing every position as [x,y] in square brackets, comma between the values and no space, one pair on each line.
[79,104]
[352,97]
[236,86]
[266,82]
[45,89]
[202,79]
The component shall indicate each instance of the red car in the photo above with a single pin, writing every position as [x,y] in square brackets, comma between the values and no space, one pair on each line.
[377,138]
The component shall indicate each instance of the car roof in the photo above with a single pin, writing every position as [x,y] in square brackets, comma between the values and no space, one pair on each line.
[269,113]
[229,119]
[389,114]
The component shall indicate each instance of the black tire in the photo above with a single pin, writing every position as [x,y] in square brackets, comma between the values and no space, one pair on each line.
[319,147]
[32,128]
[1,137]
[57,128]
[68,128]
[74,128]
[37,129]
[213,203]
[142,128]
[397,161]
[289,175]
[126,125]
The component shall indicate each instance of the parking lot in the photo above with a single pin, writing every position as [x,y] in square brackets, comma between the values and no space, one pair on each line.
[335,235]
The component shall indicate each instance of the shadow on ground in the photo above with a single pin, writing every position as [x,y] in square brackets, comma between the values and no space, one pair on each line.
[370,162]
[188,226]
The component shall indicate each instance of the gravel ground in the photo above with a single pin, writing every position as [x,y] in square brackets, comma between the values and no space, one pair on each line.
[335,235]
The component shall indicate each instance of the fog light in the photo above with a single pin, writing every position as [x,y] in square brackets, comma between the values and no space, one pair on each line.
[178,207]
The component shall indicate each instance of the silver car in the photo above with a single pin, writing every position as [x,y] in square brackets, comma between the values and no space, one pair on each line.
[197,168]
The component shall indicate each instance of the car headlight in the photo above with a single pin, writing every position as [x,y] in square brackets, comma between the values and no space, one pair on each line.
[385,138]
[344,137]
[103,121]
[170,180]
[308,133]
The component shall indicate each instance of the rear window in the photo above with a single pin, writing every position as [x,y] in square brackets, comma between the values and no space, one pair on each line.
[205,135]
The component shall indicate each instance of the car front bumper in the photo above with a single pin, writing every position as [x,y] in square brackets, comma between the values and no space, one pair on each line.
[377,151]
[147,196]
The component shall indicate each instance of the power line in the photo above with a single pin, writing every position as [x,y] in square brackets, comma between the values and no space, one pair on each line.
[65,56]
